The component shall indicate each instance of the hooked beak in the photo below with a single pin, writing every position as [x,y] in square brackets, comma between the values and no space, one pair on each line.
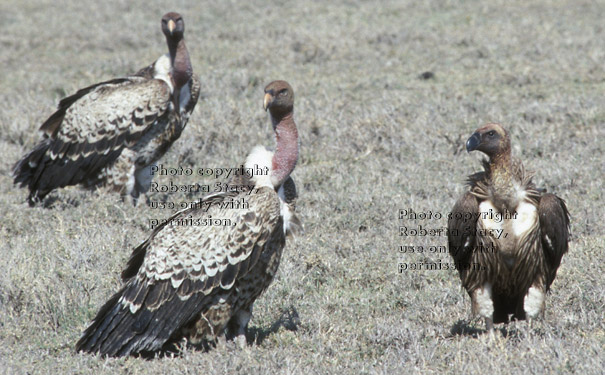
[267,101]
[171,26]
[473,142]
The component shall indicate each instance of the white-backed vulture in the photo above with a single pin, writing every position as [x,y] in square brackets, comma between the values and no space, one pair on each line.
[506,236]
[196,281]
[111,133]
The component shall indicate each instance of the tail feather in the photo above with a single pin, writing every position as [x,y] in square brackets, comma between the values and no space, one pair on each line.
[167,320]
[116,331]
[28,170]
[41,174]
[25,169]
[95,335]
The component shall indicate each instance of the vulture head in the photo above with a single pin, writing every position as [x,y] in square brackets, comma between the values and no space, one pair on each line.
[491,139]
[279,99]
[173,26]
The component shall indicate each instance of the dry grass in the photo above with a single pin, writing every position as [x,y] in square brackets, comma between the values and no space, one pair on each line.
[375,138]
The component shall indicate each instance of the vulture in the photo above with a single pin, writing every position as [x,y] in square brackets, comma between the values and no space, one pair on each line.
[190,282]
[506,236]
[110,134]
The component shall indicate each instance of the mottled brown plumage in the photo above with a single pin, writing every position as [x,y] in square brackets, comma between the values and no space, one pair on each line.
[506,237]
[196,281]
[111,133]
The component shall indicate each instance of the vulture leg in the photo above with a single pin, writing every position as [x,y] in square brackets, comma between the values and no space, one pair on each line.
[221,342]
[142,183]
[483,305]
[533,303]
[237,327]
[489,325]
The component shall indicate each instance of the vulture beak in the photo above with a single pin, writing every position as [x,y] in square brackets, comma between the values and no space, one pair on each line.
[268,100]
[171,26]
[473,142]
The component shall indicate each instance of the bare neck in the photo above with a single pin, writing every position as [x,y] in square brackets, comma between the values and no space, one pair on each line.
[286,150]
[181,64]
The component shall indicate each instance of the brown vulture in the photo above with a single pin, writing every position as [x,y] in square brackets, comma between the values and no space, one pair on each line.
[111,133]
[195,281]
[506,236]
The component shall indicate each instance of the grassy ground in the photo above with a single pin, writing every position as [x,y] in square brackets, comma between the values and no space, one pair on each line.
[375,138]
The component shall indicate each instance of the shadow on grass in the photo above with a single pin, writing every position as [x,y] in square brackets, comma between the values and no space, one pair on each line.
[464,328]
[54,202]
[511,331]
[288,319]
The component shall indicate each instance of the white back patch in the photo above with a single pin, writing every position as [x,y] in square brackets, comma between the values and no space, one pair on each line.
[526,218]
[161,70]
[261,157]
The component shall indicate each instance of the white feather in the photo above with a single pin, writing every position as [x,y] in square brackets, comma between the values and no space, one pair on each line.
[489,221]
[286,213]
[161,70]
[130,184]
[533,302]
[526,218]
[261,157]
[129,305]
[548,241]
[483,298]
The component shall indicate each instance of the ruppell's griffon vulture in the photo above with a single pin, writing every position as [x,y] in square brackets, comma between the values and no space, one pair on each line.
[516,233]
[110,134]
[197,281]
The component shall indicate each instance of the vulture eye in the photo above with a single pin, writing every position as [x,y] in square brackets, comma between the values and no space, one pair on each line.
[283,91]
[491,133]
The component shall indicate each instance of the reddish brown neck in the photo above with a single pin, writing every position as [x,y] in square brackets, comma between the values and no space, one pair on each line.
[286,150]
[181,64]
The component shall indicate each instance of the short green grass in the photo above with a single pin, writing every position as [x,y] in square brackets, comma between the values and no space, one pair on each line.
[375,137]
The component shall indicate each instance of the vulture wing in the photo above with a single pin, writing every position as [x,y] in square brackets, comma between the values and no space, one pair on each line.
[461,228]
[174,273]
[554,228]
